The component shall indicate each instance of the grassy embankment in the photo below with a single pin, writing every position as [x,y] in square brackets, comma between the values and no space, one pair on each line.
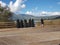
[50,22]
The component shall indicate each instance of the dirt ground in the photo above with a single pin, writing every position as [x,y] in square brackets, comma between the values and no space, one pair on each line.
[47,35]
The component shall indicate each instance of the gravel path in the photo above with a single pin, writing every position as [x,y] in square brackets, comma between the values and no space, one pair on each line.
[30,36]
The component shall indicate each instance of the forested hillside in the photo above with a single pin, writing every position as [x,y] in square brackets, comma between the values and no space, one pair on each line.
[5,14]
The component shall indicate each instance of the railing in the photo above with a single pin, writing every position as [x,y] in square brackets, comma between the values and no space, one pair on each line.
[7,25]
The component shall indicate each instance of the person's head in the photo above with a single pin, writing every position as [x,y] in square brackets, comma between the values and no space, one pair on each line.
[17,20]
[41,19]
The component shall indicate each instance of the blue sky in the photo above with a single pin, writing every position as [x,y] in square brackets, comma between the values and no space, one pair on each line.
[37,7]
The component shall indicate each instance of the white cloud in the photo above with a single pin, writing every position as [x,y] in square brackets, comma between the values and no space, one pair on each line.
[17,5]
[2,4]
[33,12]
[14,7]
[45,13]
[55,13]
[23,6]
[29,12]
[11,3]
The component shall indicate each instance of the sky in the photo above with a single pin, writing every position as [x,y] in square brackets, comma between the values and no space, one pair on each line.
[33,7]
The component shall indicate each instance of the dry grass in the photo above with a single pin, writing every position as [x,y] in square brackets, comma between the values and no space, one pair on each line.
[52,22]
[49,22]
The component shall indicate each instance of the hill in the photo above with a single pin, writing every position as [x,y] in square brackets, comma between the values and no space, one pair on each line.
[26,16]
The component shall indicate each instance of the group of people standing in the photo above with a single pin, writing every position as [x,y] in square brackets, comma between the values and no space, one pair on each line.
[25,23]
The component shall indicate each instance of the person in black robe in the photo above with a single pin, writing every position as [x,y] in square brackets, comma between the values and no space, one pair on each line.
[33,24]
[25,23]
[30,22]
[22,24]
[42,22]
[18,23]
